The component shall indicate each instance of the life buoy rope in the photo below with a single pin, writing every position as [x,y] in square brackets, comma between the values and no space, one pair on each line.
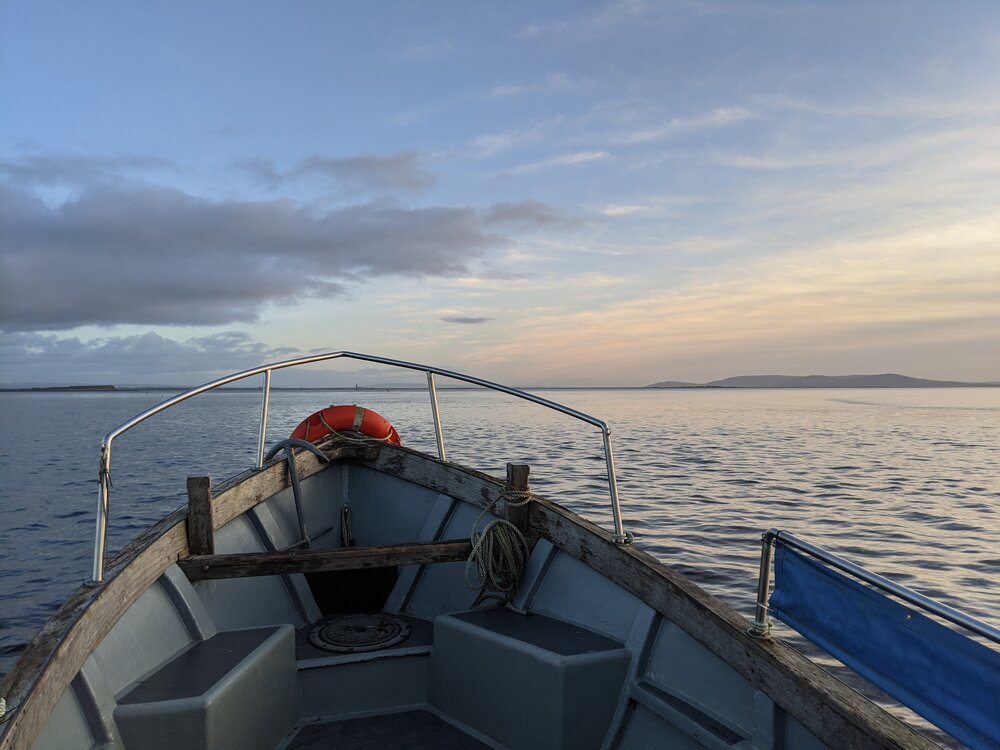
[335,420]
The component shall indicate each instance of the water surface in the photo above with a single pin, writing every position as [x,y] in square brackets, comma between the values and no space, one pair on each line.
[905,482]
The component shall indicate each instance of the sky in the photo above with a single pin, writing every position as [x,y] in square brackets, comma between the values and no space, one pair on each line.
[545,193]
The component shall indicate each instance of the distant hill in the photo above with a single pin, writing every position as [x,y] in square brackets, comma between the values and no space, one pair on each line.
[887,380]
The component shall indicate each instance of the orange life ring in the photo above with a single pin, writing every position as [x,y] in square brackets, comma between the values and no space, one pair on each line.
[343,418]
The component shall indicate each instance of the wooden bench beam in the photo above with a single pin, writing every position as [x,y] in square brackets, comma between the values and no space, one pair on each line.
[247,564]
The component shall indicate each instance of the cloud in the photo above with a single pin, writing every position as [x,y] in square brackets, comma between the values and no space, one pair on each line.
[562,160]
[651,204]
[358,174]
[34,357]
[464,320]
[625,209]
[525,213]
[151,255]
[47,170]
[533,287]
[263,170]
[918,148]
[428,51]
[613,17]
[717,118]
[959,104]
[552,84]
[594,24]
[490,144]
[140,254]
[920,300]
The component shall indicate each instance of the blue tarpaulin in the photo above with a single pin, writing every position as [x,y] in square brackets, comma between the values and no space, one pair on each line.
[949,679]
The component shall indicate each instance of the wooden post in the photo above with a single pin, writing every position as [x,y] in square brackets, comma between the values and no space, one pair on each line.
[201,539]
[517,481]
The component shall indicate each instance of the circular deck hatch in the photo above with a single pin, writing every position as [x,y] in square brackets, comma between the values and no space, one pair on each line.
[350,634]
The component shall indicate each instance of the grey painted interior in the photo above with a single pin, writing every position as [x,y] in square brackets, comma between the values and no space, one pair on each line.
[234,690]
[576,662]
[528,680]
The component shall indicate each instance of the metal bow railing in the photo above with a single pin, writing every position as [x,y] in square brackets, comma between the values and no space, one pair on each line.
[100,541]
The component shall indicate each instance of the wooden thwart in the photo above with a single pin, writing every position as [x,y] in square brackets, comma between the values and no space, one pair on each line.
[246,564]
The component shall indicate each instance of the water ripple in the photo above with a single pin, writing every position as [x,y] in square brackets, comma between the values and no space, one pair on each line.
[904,482]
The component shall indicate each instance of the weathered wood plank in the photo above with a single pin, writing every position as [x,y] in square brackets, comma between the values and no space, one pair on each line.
[200,529]
[248,564]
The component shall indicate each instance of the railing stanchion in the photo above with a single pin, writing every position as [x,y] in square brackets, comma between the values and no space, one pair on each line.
[101,532]
[621,536]
[761,625]
[265,401]
[436,410]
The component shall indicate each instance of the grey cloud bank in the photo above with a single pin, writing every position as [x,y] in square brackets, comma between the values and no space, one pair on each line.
[125,253]
[525,213]
[155,255]
[74,169]
[403,172]
[465,320]
[35,357]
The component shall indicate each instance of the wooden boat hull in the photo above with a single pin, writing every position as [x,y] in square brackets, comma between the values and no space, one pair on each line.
[675,666]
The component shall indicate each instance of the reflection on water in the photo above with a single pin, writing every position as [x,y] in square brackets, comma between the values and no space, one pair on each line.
[906,482]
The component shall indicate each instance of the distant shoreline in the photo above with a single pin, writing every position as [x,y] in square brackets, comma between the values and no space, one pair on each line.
[814,387]
[99,391]
[883,380]
[63,389]
[740,382]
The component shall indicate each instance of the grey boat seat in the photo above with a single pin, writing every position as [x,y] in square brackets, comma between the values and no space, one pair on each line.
[236,689]
[526,680]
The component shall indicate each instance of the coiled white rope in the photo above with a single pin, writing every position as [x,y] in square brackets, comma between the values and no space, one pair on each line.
[499,552]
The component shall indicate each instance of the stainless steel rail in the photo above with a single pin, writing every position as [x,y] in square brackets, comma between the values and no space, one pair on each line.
[101,532]
[761,626]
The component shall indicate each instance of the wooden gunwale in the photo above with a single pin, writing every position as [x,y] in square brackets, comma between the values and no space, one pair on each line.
[833,712]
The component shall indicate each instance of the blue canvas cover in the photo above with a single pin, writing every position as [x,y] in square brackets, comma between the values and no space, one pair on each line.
[949,679]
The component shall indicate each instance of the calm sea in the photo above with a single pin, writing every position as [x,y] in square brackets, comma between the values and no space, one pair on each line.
[906,482]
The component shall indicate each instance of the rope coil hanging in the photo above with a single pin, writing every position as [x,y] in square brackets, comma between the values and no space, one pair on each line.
[499,552]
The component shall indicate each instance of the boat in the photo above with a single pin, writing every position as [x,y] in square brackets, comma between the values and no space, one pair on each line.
[349,591]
